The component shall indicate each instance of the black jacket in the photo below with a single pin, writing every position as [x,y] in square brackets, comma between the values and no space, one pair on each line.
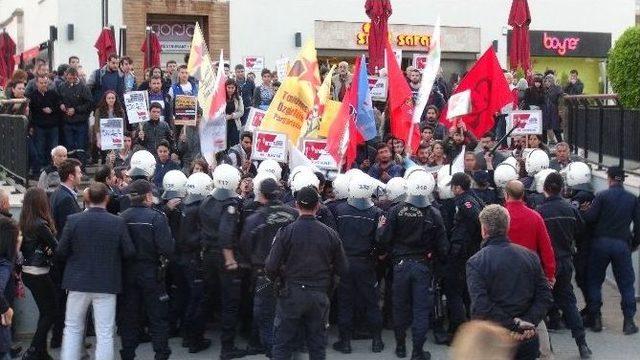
[189,243]
[465,235]
[564,225]
[219,222]
[574,89]
[150,234]
[306,252]
[93,244]
[506,281]
[78,97]
[38,245]
[39,101]
[612,212]
[154,132]
[63,203]
[357,229]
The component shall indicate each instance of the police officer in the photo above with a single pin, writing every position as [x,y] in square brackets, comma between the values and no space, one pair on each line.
[189,247]
[305,256]
[303,176]
[219,219]
[465,241]
[257,236]
[395,192]
[535,199]
[357,223]
[483,190]
[340,192]
[252,205]
[612,212]
[144,280]
[563,222]
[413,232]
[535,160]
[142,167]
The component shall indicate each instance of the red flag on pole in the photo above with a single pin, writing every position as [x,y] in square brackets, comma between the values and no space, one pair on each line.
[106,45]
[489,94]
[400,103]
[154,51]
[344,137]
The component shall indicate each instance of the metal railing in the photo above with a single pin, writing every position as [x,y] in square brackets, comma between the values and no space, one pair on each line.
[600,124]
[14,154]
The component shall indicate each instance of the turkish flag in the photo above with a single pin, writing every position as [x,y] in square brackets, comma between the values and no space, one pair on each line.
[489,94]
[400,103]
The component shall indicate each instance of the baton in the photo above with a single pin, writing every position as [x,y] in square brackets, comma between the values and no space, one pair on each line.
[493,151]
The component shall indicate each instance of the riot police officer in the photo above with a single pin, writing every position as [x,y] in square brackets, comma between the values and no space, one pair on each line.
[395,192]
[258,233]
[535,160]
[465,241]
[303,176]
[144,276]
[142,167]
[535,199]
[340,192]
[219,219]
[305,256]
[357,223]
[189,247]
[413,231]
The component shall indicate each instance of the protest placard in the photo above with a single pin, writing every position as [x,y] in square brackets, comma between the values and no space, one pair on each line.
[254,64]
[185,110]
[378,87]
[459,104]
[254,119]
[111,133]
[526,122]
[420,61]
[213,136]
[269,145]
[137,106]
[281,68]
[315,151]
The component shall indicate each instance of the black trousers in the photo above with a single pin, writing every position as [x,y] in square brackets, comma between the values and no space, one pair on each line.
[565,298]
[44,294]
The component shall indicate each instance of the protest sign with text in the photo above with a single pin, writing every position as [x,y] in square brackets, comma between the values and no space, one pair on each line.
[526,122]
[459,104]
[378,87]
[316,151]
[137,108]
[185,110]
[269,145]
[254,64]
[111,133]
[254,119]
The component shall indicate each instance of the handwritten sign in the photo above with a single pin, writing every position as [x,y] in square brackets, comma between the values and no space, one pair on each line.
[254,64]
[111,134]
[269,145]
[136,104]
[378,87]
[315,151]
[185,110]
[254,119]
[526,122]
[281,68]
[459,104]
[213,136]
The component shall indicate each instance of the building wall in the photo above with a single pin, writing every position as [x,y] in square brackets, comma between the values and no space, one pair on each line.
[266,28]
[38,15]
[135,17]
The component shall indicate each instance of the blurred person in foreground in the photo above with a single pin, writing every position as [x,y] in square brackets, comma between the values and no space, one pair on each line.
[482,340]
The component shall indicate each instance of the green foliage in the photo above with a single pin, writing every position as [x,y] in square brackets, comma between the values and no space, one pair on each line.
[623,68]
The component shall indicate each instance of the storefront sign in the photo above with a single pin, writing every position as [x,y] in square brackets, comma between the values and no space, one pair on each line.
[185,110]
[175,36]
[378,88]
[401,40]
[315,151]
[569,44]
[269,145]
[528,122]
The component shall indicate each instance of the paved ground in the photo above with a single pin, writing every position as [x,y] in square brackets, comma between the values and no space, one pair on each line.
[609,344]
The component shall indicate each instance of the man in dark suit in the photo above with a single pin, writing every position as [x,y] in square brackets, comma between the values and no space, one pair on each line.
[93,244]
[63,204]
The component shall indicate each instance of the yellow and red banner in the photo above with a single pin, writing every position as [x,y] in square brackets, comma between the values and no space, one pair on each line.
[200,67]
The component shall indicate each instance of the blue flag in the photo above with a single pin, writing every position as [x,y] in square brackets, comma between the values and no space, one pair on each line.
[365,120]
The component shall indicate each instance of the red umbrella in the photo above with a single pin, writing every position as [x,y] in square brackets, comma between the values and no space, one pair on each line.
[7,62]
[379,12]
[153,57]
[106,45]
[519,44]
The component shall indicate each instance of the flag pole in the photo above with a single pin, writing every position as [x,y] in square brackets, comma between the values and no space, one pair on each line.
[493,151]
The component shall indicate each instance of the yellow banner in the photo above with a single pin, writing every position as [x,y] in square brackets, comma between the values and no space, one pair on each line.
[324,92]
[295,98]
[331,109]
[200,67]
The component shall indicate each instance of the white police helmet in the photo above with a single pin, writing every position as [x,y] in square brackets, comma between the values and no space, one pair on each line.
[271,166]
[341,186]
[512,161]
[303,179]
[536,161]
[419,186]
[443,183]
[173,184]
[412,169]
[540,178]
[353,172]
[503,174]
[143,163]
[396,188]
[198,186]
[226,177]
[259,178]
[361,188]
[577,173]
[298,170]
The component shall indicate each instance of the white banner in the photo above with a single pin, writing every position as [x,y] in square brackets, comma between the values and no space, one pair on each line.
[527,122]
[136,103]
[459,104]
[269,145]
[111,134]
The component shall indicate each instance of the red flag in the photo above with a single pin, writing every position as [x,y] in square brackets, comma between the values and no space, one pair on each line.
[344,137]
[400,103]
[153,58]
[106,45]
[489,94]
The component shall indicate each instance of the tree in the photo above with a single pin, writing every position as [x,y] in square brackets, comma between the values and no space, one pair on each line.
[624,67]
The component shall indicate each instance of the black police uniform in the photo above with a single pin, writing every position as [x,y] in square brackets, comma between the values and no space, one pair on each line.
[465,241]
[412,234]
[305,256]
[257,236]
[219,219]
[580,199]
[564,223]
[333,204]
[323,215]
[144,282]
[359,287]
[488,195]
[176,281]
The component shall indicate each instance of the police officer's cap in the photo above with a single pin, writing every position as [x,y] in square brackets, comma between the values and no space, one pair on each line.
[139,187]
[269,187]
[616,173]
[307,197]
[460,179]
[481,176]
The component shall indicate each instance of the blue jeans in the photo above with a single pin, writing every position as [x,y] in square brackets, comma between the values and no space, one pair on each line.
[412,300]
[76,136]
[617,252]
[45,139]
